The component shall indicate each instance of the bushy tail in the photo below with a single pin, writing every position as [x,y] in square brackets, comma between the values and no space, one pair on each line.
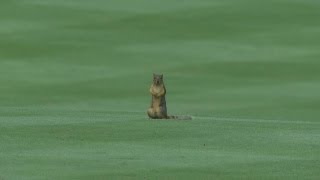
[180,117]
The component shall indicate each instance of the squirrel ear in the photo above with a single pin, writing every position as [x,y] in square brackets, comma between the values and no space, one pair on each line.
[154,74]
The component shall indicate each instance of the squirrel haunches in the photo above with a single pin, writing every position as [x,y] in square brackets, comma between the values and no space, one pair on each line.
[158,109]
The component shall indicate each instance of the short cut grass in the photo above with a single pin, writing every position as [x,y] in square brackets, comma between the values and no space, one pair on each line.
[75,75]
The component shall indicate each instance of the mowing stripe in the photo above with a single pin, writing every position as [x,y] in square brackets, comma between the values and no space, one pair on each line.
[137,114]
[255,120]
[232,119]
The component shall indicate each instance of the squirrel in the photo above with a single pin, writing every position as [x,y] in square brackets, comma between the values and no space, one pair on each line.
[158,108]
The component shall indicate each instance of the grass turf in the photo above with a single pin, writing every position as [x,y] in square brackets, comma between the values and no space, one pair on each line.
[75,75]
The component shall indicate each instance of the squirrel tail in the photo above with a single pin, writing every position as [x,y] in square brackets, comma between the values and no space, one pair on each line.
[180,117]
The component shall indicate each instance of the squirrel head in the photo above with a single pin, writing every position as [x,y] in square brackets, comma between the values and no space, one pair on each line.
[157,79]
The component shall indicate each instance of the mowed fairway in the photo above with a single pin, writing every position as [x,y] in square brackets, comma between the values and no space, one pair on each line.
[75,74]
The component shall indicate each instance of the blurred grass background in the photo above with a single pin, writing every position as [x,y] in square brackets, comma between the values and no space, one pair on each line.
[75,75]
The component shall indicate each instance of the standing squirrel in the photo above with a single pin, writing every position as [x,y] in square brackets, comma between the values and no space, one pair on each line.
[158,109]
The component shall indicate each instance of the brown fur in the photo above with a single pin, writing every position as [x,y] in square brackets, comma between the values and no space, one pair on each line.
[158,108]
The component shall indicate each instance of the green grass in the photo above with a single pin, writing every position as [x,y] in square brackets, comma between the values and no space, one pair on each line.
[75,74]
